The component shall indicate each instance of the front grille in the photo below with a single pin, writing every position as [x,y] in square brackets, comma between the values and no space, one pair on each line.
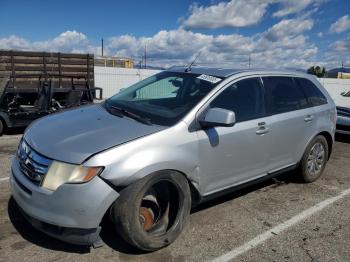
[343,127]
[33,165]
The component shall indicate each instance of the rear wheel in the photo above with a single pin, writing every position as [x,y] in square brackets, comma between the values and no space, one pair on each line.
[152,212]
[314,159]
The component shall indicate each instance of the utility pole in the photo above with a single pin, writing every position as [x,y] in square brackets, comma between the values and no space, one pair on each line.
[102,45]
[342,69]
[145,56]
[249,61]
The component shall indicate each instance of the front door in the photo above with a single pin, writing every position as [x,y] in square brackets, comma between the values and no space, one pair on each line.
[233,155]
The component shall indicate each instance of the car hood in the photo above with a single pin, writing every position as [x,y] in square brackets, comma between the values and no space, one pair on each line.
[75,135]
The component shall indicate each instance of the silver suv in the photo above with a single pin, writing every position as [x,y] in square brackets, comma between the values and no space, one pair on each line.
[148,154]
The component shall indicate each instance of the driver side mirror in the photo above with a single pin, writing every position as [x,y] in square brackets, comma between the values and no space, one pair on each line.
[218,117]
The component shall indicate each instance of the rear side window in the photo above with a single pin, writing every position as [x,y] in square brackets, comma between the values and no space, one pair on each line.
[314,95]
[245,98]
[283,95]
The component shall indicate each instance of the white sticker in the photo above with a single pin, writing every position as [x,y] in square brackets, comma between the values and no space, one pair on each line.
[210,79]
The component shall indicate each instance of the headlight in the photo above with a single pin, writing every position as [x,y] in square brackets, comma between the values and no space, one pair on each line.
[60,173]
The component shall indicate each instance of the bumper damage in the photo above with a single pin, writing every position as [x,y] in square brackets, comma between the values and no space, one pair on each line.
[72,213]
[76,236]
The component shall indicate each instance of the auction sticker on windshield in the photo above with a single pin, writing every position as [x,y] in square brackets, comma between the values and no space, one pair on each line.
[210,79]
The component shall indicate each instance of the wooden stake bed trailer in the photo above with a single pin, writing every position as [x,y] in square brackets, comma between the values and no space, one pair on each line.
[34,84]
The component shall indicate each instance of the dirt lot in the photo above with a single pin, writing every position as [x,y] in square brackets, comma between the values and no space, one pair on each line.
[222,226]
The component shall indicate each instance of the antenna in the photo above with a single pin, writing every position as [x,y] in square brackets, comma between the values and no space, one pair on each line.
[188,69]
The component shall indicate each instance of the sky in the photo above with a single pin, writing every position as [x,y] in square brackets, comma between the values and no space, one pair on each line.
[272,33]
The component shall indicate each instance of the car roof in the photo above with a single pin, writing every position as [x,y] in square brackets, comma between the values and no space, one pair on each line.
[226,72]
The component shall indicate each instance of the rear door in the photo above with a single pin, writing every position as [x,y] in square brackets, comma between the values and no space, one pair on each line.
[318,101]
[291,122]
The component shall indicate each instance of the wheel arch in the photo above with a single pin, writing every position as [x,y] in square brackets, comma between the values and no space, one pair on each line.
[196,195]
[329,139]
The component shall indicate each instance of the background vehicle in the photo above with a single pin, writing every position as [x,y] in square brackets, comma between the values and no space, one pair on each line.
[36,84]
[167,143]
[343,110]
[341,97]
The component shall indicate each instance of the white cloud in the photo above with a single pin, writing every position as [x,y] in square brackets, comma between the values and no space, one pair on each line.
[341,46]
[288,28]
[174,44]
[14,42]
[242,13]
[284,44]
[338,53]
[288,7]
[66,41]
[69,41]
[341,25]
[320,34]
[235,13]
[281,45]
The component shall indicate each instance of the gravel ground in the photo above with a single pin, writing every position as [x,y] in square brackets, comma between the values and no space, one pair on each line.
[215,228]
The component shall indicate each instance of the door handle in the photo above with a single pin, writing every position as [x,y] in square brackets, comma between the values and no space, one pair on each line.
[308,118]
[262,130]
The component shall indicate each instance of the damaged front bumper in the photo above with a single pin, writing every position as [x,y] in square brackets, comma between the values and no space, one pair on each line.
[77,236]
[72,213]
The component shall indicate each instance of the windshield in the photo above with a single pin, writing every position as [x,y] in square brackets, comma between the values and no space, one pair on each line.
[164,98]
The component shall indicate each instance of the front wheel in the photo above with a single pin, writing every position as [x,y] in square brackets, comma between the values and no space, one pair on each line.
[151,213]
[314,159]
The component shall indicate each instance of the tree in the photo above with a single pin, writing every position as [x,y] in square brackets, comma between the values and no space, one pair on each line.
[317,71]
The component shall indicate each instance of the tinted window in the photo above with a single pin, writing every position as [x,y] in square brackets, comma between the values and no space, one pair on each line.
[244,98]
[283,95]
[312,92]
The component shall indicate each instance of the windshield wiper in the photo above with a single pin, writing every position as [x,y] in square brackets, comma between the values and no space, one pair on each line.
[127,113]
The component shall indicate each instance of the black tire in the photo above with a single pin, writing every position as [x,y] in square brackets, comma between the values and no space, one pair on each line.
[165,217]
[306,173]
[2,127]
